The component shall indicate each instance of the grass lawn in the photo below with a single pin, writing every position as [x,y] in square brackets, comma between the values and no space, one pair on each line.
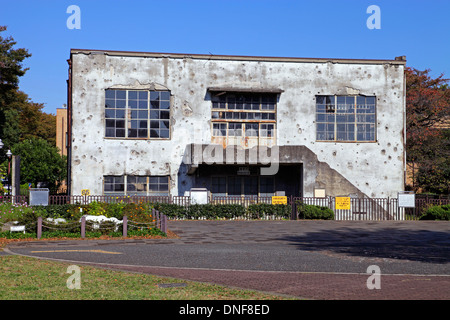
[24,278]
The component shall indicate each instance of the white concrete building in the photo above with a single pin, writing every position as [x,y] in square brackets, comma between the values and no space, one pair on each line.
[160,123]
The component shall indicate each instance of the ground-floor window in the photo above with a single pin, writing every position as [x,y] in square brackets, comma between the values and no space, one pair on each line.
[243,186]
[136,185]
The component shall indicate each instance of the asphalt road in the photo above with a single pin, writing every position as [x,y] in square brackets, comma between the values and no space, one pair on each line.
[234,249]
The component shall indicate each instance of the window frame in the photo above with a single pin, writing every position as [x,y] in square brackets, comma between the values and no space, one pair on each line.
[245,181]
[233,109]
[330,115]
[126,183]
[133,110]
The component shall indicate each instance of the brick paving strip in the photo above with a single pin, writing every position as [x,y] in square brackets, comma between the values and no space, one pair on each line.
[311,285]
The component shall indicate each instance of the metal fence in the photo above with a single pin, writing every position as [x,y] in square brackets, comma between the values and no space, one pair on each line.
[84,200]
[360,208]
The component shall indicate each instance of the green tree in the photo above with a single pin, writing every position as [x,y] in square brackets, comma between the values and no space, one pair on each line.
[40,162]
[20,118]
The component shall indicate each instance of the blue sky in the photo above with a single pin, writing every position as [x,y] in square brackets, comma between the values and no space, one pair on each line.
[420,30]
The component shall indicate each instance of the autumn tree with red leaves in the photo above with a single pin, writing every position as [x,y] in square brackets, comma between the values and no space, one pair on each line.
[427,140]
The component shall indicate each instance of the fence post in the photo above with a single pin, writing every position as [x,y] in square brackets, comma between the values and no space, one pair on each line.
[155,217]
[125,226]
[83,226]
[39,227]
[293,208]
[164,223]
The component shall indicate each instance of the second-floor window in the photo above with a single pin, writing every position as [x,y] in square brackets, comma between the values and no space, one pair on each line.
[244,115]
[346,118]
[137,114]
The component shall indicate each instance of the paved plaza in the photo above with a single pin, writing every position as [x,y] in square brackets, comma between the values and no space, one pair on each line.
[324,260]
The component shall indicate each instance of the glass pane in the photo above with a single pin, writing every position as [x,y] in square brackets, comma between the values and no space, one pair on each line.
[164,133]
[320,100]
[132,95]
[143,104]
[164,105]
[143,114]
[110,113]
[110,123]
[154,114]
[154,133]
[165,95]
[109,103]
[132,104]
[110,94]
[154,96]
[120,114]
[251,129]
[165,115]
[110,132]
[164,124]
[132,133]
[120,104]
[121,94]
[154,104]
[142,133]
[370,100]
[143,95]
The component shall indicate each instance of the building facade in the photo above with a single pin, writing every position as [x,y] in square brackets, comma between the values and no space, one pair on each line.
[157,124]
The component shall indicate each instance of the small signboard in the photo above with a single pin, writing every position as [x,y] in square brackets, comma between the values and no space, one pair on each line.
[85,192]
[279,200]
[17,228]
[39,196]
[342,203]
[406,199]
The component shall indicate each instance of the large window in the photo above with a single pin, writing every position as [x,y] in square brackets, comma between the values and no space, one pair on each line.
[244,115]
[137,114]
[243,186]
[136,185]
[345,118]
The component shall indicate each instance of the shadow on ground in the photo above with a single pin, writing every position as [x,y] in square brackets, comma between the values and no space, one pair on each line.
[414,245]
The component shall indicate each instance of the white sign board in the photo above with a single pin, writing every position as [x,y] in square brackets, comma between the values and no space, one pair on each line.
[198,195]
[406,200]
[17,228]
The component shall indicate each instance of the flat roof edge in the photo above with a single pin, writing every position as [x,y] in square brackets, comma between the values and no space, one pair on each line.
[398,60]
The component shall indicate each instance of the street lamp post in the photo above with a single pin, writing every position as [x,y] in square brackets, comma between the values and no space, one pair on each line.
[1,144]
[9,154]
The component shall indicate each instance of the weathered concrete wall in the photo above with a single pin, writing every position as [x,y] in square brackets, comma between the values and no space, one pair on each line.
[376,169]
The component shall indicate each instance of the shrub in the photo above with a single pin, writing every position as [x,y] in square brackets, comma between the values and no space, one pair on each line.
[437,213]
[14,211]
[171,210]
[306,211]
[257,211]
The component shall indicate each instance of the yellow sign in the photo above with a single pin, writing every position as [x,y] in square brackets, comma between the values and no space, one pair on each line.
[85,192]
[279,200]
[343,203]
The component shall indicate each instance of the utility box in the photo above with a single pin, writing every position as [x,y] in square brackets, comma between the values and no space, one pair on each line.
[39,196]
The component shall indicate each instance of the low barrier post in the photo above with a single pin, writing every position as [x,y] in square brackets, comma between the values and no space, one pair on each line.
[125,226]
[39,227]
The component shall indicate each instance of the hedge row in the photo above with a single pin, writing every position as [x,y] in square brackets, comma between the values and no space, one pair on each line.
[142,212]
[437,213]
[224,211]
